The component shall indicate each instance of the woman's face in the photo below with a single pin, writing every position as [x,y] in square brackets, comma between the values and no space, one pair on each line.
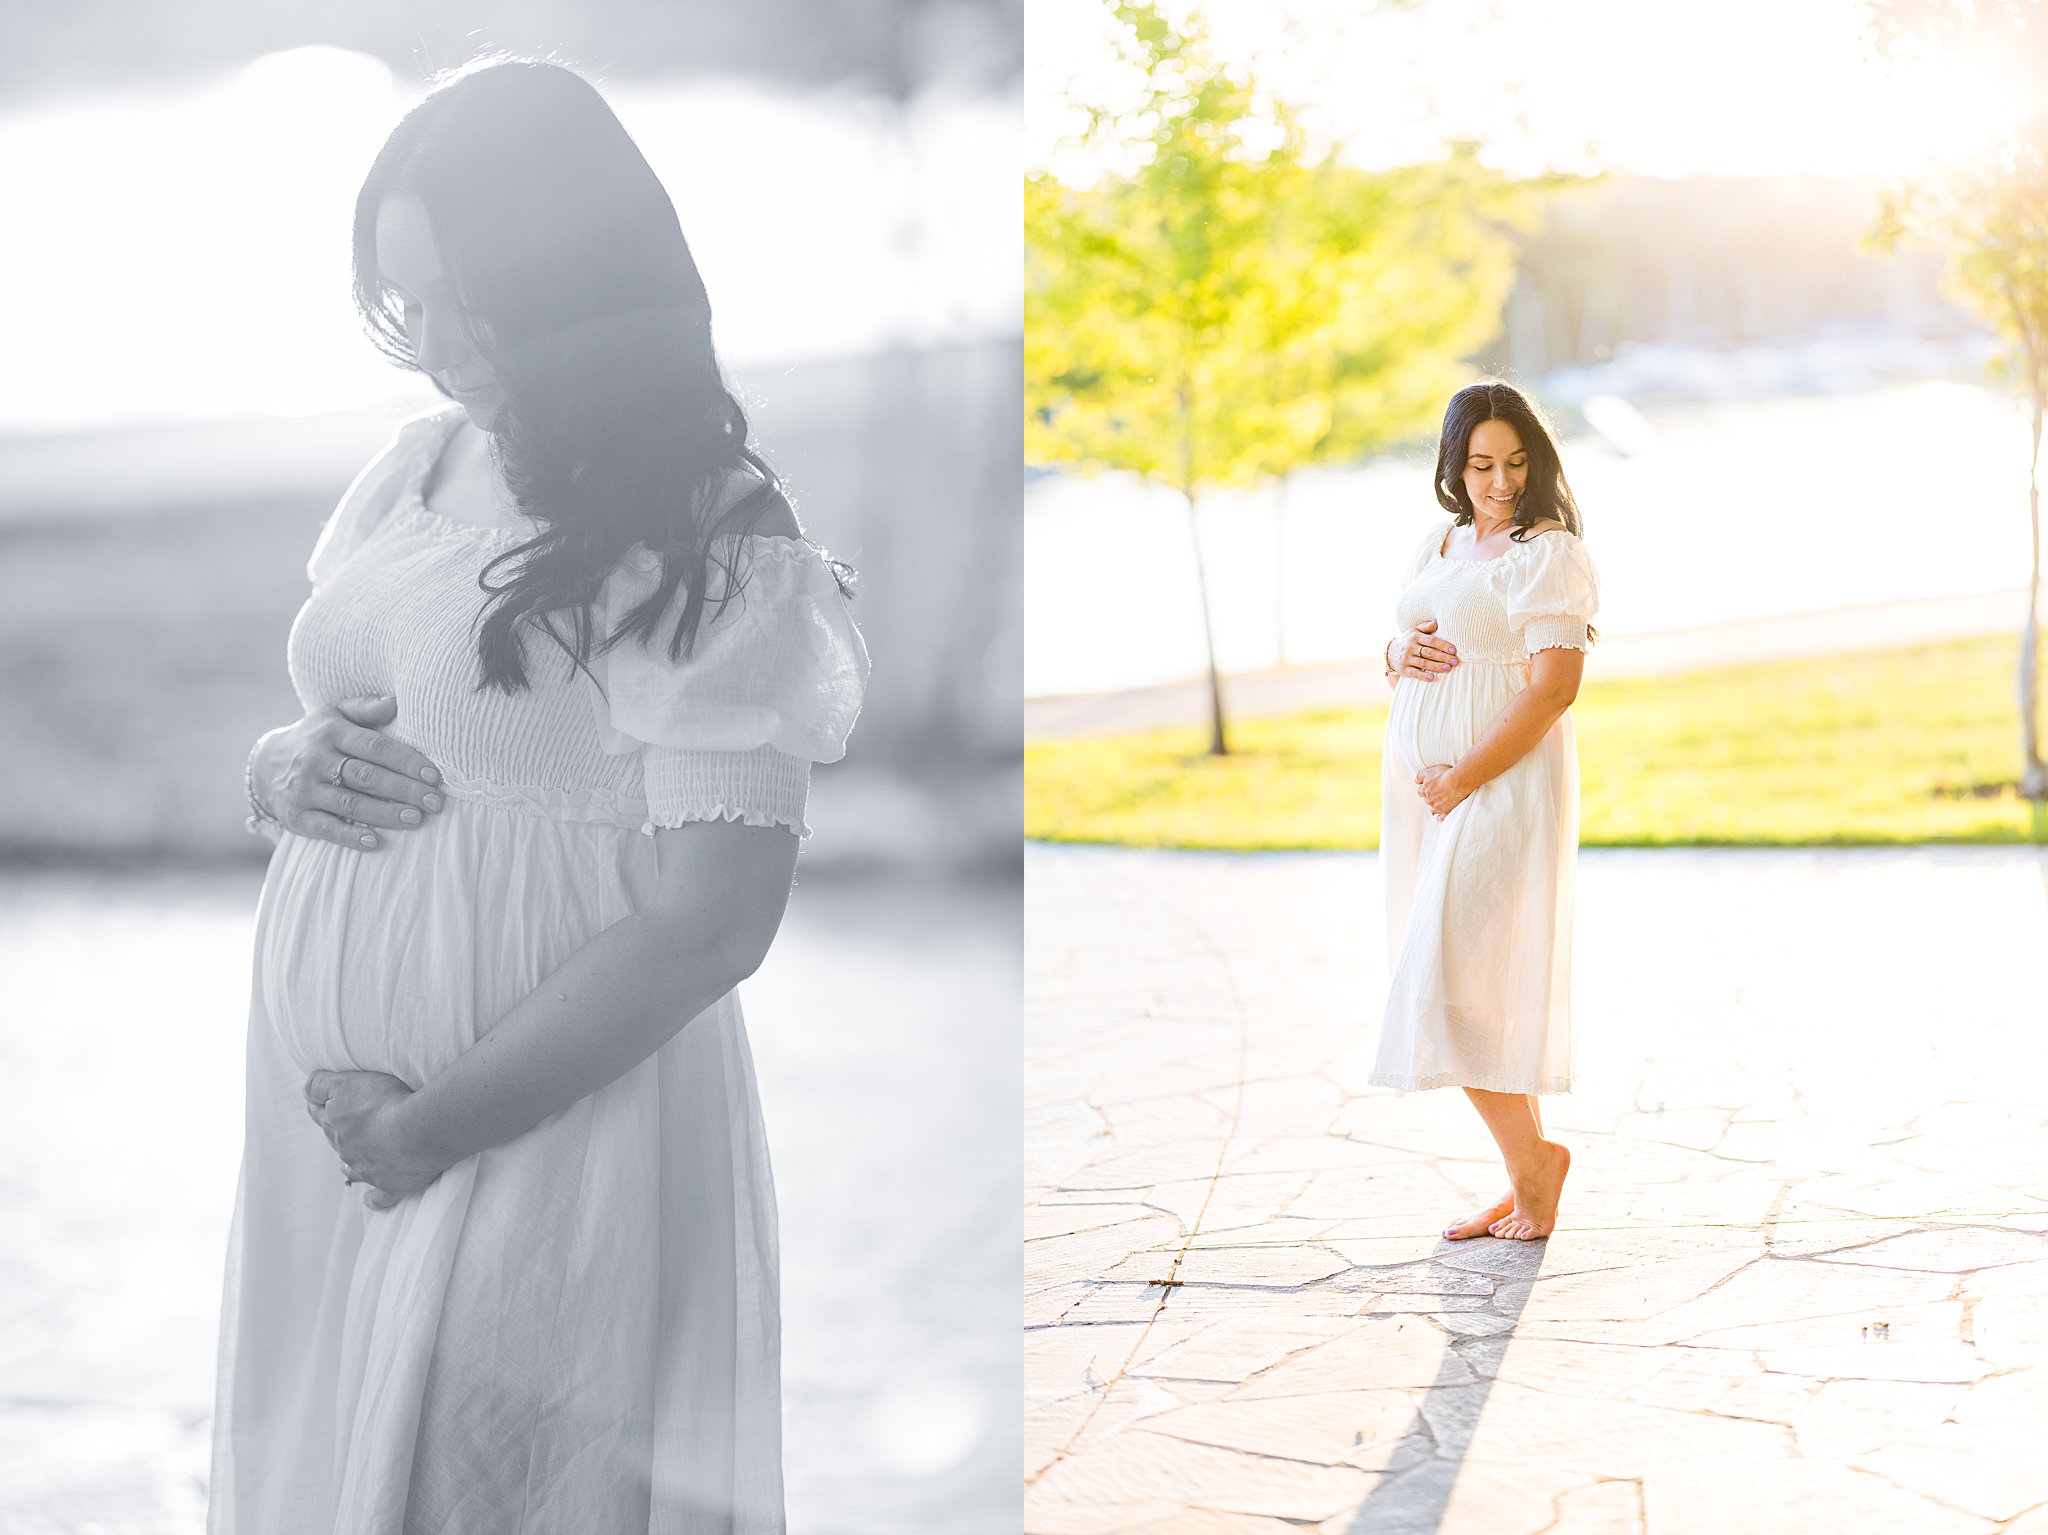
[409,263]
[1496,468]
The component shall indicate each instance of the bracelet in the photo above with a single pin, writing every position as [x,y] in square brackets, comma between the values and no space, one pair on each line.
[1387,658]
[258,822]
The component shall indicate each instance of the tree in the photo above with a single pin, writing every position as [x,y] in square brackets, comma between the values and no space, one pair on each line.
[1227,305]
[1990,212]
[1399,332]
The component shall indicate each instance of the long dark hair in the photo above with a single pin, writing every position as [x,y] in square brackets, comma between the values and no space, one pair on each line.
[577,287]
[1544,493]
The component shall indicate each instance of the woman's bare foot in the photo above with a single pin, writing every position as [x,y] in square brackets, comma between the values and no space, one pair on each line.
[1477,1224]
[1535,1209]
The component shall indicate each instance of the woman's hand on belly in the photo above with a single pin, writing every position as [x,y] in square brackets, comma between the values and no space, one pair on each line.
[358,1113]
[1420,653]
[335,775]
[1442,789]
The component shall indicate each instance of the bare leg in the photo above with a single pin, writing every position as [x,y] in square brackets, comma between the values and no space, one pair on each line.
[1536,1167]
[1482,1221]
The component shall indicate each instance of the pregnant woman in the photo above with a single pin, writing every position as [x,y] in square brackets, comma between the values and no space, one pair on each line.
[504,1250]
[1480,798]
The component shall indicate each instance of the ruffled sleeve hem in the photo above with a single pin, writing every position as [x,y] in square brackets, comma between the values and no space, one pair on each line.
[762,787]
[672,820]
[1556,634]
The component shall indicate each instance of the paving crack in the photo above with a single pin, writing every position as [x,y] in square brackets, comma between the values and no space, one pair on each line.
[1238,1012]
[1921,1492]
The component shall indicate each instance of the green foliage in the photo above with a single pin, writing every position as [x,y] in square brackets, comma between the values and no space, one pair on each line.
[1228,306]
[1908,745]
[1992,218]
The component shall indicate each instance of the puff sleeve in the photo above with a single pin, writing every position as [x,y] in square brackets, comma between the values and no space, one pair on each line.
[373,491]
[772,685]
[1551,592]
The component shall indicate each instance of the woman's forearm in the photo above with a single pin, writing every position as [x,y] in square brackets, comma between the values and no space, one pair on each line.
[605,1009]
[1525,720]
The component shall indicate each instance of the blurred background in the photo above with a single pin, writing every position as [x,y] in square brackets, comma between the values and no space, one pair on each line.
[1715,253]
[187,395]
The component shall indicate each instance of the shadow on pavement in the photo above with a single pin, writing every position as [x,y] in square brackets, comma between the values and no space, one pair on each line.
[1423,1465]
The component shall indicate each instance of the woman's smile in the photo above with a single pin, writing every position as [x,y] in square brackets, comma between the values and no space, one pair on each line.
[1496,468]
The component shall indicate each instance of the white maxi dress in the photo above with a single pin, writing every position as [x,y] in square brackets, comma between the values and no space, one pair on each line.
[576,1331]
[1479,904]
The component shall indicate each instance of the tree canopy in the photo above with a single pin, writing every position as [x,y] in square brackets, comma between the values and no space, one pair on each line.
[1236,304]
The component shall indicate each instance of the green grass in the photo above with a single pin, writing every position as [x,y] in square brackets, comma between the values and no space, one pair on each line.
[1889,746]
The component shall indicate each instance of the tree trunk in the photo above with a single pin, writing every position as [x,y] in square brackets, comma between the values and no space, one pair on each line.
[2033,774]
[1280,569]
[1218,747]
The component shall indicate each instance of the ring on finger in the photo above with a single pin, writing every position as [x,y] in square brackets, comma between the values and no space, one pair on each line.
[340,768]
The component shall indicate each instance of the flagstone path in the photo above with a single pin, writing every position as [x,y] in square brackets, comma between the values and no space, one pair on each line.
[1801,1278]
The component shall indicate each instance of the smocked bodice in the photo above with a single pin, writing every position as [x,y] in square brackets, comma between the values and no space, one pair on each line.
[769,687]
[1537,595]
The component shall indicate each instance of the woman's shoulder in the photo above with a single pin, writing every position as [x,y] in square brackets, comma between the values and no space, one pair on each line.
[773,517]
[408,450]
[378,486]
[445,414]
[1547,542]
[774,565]
[429,425]
[1440,528]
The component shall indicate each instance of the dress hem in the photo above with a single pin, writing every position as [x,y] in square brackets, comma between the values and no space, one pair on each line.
[1467,1079]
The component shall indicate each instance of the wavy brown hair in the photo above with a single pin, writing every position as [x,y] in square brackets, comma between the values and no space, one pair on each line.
[578,290]
[1545,494]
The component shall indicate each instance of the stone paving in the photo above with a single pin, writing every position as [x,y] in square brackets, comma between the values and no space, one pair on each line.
[1801,1278]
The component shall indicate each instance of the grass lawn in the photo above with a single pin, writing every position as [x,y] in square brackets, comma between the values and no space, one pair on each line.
[1908,745]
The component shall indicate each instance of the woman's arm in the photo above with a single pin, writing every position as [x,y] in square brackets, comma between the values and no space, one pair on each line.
[721,892]
[1554,675]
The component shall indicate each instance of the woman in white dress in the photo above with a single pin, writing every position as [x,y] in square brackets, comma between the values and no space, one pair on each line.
[504,1249]
[1480,794]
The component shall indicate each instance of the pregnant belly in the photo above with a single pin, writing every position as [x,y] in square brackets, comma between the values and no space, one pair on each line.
[1433,724]
[399,960]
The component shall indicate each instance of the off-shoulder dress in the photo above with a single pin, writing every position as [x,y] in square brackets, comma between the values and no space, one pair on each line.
[577,1329]
[1479,904]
